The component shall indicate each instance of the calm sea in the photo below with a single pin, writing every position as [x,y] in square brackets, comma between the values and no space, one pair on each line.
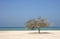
[23,28]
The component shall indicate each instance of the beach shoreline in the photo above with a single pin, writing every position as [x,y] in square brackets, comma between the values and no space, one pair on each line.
[45,34]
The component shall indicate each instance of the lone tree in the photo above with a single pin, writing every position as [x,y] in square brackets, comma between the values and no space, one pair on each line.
[38,23]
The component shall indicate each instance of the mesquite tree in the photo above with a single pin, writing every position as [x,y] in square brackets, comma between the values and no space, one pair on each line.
[38,23]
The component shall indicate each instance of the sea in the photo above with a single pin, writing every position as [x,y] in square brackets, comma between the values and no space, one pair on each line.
[24,28]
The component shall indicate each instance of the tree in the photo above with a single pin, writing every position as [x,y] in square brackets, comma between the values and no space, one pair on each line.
[38,23]
[31,24]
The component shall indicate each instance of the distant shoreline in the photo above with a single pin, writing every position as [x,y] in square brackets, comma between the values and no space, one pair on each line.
[24,28]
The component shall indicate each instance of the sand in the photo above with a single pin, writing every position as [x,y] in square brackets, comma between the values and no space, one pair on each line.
[47,34]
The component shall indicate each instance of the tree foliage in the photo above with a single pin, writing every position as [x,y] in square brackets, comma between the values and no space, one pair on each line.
[39,22]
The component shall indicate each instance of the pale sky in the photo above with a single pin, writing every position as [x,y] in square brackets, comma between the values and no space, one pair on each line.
[13,13]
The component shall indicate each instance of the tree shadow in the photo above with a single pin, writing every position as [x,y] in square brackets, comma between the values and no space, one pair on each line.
[40,33]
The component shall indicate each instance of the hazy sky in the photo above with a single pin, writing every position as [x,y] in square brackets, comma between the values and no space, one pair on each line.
[13,13]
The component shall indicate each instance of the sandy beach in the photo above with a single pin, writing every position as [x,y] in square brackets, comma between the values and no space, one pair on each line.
[47,34]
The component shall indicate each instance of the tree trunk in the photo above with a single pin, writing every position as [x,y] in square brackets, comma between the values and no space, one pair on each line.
[38,29]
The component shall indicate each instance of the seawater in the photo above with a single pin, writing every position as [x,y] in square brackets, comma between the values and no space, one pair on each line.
[24,28]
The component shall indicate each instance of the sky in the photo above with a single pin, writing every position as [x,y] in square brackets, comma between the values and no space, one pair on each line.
[14,13]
